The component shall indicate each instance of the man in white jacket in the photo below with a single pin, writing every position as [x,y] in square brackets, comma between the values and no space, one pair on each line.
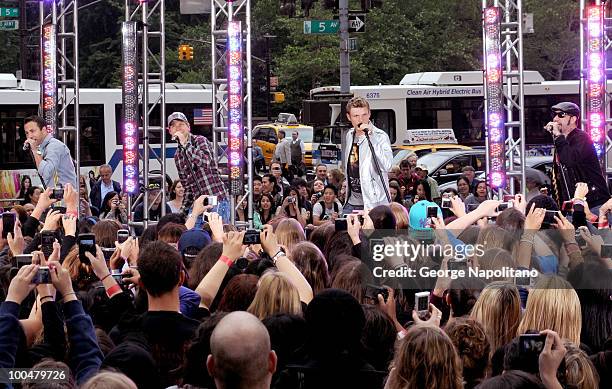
[367,182]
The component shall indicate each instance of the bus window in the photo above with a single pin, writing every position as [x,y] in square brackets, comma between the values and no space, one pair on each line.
[91,123]
[385,120]
[13,136]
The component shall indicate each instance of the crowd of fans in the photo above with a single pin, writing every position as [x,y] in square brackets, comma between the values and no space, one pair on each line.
[293,305]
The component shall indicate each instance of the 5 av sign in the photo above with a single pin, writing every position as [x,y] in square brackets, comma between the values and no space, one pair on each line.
[357,23]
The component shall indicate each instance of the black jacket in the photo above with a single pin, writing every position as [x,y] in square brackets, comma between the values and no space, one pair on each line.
[575,155]
[96,193]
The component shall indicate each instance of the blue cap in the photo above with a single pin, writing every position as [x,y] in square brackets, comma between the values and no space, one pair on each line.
[196,238]
[417,220]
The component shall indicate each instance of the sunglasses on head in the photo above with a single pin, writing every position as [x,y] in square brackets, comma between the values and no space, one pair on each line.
[560,114]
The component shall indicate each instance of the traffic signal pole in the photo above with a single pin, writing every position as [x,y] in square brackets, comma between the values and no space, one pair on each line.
[345,65]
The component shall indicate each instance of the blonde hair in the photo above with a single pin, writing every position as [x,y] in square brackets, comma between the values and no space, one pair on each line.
[425,358]
[289,232]
[553,305]
[357,102]
[401,215]
[275,294]
[580,372]
[498,309]
[109,380]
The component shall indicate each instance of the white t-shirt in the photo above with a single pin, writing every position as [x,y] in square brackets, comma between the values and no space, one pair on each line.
[317,210]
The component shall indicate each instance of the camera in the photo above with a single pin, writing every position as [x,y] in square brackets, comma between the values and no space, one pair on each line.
[421,302]
[508,198]
[122,235]
[87,244]
[251,237]
[446,201]
[503,206]
[47,238]
[372,292]
[23,259]
[457,265]
[43,276]
[606,251]
[341,224]
[549,218]
[212,200]
[319,194]
[522,281]
[471,207]
[291,200]
[531,345]
[581,242]
[432,211]
[57,193]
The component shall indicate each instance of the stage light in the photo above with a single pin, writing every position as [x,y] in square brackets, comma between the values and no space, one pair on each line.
[235,143]
[48,96]
[595,81]
[494,114]
[129,110]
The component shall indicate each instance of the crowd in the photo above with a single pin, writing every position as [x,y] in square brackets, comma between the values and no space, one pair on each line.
[291,308]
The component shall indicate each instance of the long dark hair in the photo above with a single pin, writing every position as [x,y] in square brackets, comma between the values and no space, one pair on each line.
[426,188]
[105,207]
[22,188]
[272,208]
[299,199]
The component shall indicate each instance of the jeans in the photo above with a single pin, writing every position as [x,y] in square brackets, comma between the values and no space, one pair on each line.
[349,208]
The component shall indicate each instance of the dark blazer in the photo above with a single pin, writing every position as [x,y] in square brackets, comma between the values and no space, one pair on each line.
[95,196]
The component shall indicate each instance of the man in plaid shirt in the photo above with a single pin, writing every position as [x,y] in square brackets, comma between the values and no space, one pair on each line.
[195,162]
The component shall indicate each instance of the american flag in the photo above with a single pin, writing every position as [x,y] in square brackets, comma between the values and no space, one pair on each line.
[202,117]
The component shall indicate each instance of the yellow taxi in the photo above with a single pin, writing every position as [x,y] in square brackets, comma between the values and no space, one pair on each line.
[266,136]
[426,141]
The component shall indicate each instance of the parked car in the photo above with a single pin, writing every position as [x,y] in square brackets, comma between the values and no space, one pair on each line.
[446,165]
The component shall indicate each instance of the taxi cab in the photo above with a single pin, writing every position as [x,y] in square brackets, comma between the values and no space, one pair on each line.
[426,141]
[266,136]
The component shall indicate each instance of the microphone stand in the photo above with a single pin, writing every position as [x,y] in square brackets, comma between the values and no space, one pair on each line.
[377,166]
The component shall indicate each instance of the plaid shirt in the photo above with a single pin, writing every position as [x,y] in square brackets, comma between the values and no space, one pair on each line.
[198,171]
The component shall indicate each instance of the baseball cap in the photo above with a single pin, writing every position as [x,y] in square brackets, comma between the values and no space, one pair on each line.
[177,116]
[417,217]
[422,167]
[567,107]
[195,238]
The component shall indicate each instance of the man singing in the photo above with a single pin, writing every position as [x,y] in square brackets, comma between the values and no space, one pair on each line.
[52,157]
[196,164]
[575,158]
[367,182]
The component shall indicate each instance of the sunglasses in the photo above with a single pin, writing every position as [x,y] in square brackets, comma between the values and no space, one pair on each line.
[276,168]
[560,114]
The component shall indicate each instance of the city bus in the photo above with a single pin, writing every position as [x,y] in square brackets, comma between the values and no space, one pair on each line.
[439,100]
[100,113]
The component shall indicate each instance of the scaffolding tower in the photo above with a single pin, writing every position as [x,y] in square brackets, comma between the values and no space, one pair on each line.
[223,12]
[152,95]
[64,16]
[513,90]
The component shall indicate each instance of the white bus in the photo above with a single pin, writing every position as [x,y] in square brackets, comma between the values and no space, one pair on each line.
[101,142]
[435,100]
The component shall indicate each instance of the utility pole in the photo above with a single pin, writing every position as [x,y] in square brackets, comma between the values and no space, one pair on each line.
[345,65]
[268,91]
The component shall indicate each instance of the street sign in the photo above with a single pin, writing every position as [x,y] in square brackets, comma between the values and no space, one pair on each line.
[357,23]
[10,12]
[9,24]
[352,44]
[321,26]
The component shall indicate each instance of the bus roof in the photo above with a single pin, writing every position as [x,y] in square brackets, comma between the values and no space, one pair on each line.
[460,78]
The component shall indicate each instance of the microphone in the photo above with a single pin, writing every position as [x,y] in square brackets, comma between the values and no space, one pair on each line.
[549,127]
[365,130]
[26,146]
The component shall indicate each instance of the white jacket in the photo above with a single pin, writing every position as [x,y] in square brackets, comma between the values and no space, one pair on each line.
[372,189]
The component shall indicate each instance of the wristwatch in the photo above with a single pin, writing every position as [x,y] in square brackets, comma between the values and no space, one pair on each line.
[280,253]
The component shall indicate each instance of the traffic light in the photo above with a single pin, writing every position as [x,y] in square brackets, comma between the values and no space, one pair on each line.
[278,97]
[185,53]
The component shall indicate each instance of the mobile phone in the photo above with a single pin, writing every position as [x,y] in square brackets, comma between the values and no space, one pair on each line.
[457,265]
[446,201]
[503,206]
[341,224]
[23,259]
[432,211]
[421,302]
[87,244]
[531,345]
[57,193]
[606,251]
[43,276]
[212,200]
[549,217]
[122,235]
[8,223]
[251,237]
[581,241]
[372,292]
[108,253]
[47,238]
